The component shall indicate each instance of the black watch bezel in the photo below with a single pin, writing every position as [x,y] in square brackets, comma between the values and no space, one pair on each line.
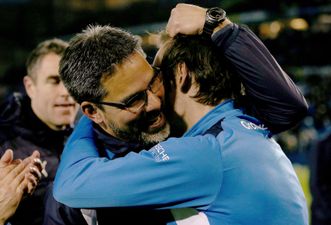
[214,17]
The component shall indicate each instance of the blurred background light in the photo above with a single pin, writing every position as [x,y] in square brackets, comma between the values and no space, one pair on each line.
[299,24]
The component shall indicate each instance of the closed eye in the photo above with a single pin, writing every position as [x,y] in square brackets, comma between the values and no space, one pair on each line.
[53,79]
[137,98]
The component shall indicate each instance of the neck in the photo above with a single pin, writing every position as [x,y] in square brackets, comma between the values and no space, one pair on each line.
[193,111]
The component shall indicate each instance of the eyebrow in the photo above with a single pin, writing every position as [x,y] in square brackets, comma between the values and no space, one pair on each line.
[53,77]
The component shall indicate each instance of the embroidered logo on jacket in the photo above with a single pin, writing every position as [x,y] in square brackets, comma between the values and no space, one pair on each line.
[159,153]
[252,126]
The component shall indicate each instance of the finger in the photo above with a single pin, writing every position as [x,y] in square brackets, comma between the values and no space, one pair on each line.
[8,156]
[16,161]
[31,188]
[27,180]
[169,23]
[32,183]
[44,172]
[6,169]
[170,27]
[35,158]
[17,174]
[22,187]
[32,179]
[35,172]
[36,154]
[181,5]
[38,164]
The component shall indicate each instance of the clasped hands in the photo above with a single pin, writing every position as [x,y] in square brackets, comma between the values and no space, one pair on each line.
[18,178]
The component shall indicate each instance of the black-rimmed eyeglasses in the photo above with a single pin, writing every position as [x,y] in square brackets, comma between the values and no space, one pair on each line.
[139,100]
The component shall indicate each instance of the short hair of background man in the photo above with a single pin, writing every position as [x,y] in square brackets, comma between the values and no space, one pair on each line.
[54,45]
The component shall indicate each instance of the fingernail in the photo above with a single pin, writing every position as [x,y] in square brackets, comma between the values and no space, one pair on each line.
[37,160]
[32,169]
[44,172]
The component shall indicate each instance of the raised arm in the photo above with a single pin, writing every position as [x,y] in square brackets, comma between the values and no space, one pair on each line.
[271,94]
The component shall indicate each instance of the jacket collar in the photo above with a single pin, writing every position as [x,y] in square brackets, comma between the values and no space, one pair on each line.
[114,147]
[19,120]
[222,110]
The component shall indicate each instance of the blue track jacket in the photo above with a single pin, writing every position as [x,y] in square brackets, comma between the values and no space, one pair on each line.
[239,177]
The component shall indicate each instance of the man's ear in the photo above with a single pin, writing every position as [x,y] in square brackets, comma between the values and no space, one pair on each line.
[183,78]
[91,111]
[29,86]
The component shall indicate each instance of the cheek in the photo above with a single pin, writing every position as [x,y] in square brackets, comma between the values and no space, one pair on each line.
[120,118]
[127,120]
[161,95]
[136,122]
[41,95]
[46,97]
[44,90]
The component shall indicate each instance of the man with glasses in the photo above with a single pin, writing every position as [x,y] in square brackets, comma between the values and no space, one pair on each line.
[183,172]
[136,102]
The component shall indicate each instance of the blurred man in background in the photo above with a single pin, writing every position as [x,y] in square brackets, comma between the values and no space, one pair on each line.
[42,121]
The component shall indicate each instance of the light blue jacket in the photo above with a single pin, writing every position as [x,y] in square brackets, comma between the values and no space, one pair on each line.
[239,177]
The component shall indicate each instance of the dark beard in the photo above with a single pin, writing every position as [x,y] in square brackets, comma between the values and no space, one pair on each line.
[138,131]
[177,125]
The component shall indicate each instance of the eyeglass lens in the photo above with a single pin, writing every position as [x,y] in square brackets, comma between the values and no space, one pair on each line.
[140,100]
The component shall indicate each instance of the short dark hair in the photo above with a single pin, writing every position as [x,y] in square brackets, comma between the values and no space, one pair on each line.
[92,56]
[200,55]
[55,45]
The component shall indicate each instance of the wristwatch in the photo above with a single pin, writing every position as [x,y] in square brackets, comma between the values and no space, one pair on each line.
[214,17]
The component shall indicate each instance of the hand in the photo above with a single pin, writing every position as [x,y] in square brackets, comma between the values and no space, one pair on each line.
[186,19]
[16,178]
[189,20]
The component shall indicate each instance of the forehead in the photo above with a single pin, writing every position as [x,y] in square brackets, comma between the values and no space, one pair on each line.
[130,77]
[47,65]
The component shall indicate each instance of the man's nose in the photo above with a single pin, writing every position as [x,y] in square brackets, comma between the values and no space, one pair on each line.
[154,102]
[62,89]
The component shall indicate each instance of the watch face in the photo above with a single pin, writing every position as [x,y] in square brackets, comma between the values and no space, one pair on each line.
[216,14]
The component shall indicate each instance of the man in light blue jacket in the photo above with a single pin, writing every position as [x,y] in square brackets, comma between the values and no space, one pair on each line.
[226,168]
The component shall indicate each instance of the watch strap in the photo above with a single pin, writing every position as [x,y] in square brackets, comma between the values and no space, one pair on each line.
[208,29]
